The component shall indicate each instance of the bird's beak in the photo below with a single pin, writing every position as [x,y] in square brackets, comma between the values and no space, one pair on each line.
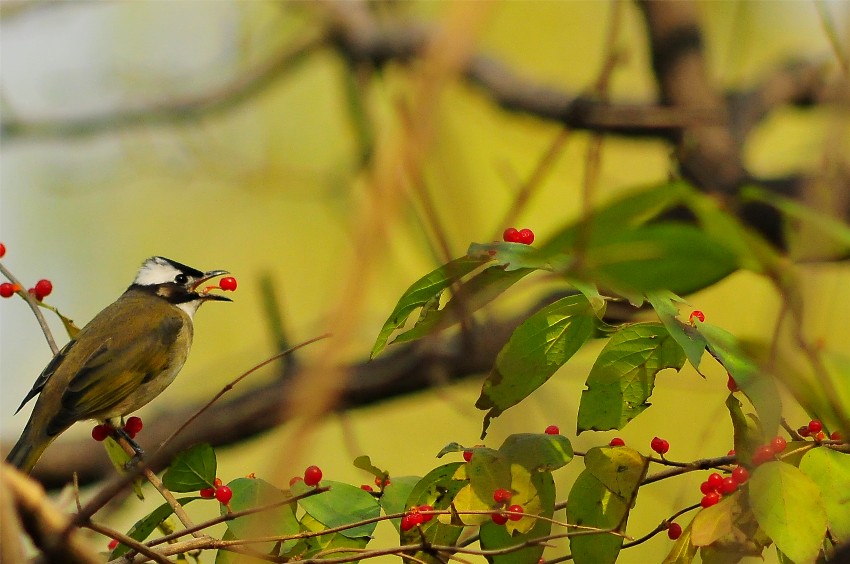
[207,276]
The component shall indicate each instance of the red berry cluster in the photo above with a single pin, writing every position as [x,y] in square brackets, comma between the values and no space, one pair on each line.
[221,492]
[514,513]
[100,432]
[132,427]
[416,516]
[716,486]
[524,236]
[382,482]
[660,446]
[814,429]
[767,452]
[40,291]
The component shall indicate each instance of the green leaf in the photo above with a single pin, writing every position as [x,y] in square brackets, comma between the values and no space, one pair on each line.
[249,493]
[537,348]
[510,256]
[438,489]
[663,256]
[788,507]
[537,452]
[365,463]
[119,459]
[591,504]
[713,523]
[623,376]
[395,495]
[830,471]
[423,291]
[759,387]
[683,551]
[691,341]
[449,448]
[192,470]
[342,505]
[620,469]
[336,542]
[488,470]
[499,536]
[472,295]
[627,212]
[147,524]
[747,432]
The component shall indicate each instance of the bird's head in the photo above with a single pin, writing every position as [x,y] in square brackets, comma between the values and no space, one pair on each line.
[176,283]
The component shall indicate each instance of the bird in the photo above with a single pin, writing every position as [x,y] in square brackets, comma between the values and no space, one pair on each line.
[121,360]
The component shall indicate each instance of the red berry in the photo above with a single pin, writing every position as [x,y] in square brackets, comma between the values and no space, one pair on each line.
[617,441]
[710,499]
[7,290]
[133,425]
[728,486]
[731,452]
[294,480]
[821,436]
[207,493]
[407,522]
[525,236]
[553,430]
[763,454]
[803,431]
[467,455]
[113,544]
[367,488]
[706,487]
[515,509]
[778,444]
[217,482]
[815,426]
[660,445]
[511,235]
[382,482]
[42,289]
[499,518]
[835,436]
[100,432]
[696,314]
[223,494]
[715,479]
[228,283]
[740,474]
[426,517]
[312,475]
[731,384]
[2,250]
[415,517]
[674,531]
[502,495]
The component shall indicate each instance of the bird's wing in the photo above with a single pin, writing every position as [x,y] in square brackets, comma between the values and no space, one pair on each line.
[47,373]
[116,369]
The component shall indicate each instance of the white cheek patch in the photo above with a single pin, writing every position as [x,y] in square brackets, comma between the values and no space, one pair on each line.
[155,271]
[190,307]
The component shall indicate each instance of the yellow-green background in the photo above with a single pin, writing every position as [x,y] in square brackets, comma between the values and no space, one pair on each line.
[271,187]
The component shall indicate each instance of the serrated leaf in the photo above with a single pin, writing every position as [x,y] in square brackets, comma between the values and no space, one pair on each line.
[787,505]
[623,376]
[691,341]
[423,291]
[537,452]
[192,470]
[249,493]
[537,348]
[342,505]
[830,471]
[495,536]
[472,295]
[591,504]
[759,387]
[147,524]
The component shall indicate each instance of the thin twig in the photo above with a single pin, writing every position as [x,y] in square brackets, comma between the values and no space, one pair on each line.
[33,303]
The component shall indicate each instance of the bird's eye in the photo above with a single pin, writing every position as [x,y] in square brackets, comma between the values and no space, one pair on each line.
[181,278]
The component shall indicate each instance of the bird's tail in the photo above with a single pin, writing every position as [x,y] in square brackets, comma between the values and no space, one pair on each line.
[28,449]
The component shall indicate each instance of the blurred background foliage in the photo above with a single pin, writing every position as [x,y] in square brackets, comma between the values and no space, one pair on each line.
[301,181]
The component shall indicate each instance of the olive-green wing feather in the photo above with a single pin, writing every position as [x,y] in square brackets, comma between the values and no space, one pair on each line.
[47,373]
[116,370]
